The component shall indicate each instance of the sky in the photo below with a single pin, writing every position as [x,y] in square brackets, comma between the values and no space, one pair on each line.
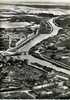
[5,1]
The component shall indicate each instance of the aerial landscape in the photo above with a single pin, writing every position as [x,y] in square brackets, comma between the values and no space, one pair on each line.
[34,51]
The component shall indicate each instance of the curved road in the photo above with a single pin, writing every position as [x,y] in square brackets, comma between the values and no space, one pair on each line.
[41,37]
[36,40]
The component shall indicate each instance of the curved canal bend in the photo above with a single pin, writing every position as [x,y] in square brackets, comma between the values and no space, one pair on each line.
[36,40]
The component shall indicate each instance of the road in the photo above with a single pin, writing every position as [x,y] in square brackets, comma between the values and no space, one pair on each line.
[41,37]
[35,41]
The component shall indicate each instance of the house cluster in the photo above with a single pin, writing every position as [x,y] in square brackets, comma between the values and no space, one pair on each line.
[10,36]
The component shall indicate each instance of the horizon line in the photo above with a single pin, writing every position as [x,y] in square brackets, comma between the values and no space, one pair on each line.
[36,2]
